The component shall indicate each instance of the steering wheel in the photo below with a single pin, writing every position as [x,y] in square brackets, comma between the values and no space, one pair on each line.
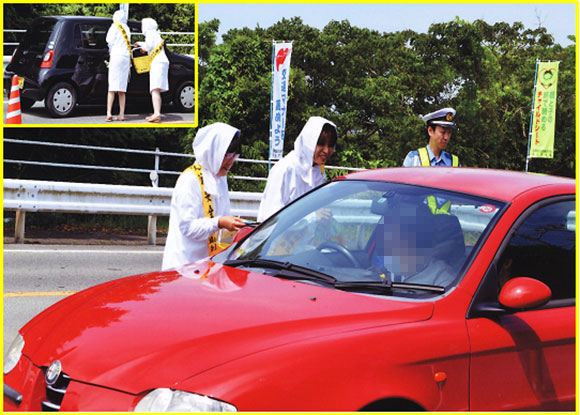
[335,246]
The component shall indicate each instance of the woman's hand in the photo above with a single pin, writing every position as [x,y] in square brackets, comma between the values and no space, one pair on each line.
[231,223]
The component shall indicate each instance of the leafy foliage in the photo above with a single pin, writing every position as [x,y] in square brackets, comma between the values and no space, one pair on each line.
[375,85]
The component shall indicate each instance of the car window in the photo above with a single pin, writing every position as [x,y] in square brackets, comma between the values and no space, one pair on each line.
[543,247]
[348,221]
[38,36]
[93,36]
[375,231]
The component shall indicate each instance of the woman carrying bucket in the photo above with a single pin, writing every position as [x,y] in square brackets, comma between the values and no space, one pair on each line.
[158,74]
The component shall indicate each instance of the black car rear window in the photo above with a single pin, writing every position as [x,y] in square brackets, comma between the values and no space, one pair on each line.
[38,35]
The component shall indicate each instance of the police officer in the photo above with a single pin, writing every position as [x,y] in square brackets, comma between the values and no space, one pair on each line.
[440,126]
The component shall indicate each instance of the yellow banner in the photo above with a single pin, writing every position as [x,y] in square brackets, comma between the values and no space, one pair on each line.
[544,115]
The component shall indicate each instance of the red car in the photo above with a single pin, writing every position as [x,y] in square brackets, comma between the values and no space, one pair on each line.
[439,289]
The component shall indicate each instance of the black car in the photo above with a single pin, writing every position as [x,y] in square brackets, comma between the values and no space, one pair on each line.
[63,61]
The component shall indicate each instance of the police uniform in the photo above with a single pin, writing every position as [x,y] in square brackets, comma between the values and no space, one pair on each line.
[424,157]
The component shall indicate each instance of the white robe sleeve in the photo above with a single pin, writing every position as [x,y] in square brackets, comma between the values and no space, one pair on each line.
[152,40]
[188,205]
[111,35]
[277,193]
[116,41]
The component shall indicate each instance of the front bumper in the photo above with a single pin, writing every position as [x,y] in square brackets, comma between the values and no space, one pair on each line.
[27,381]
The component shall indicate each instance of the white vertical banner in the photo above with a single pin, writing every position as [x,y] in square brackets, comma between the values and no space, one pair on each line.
[125,8]
[279,97]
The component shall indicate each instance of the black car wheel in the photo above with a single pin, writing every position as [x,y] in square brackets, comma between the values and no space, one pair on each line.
[184,99]
[61,99]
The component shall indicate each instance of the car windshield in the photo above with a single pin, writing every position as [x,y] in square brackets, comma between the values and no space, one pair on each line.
[373,237]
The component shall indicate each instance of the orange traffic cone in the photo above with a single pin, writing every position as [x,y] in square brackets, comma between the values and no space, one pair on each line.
[13,115]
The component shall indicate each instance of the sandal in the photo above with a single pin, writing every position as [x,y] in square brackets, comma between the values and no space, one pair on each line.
[119,118]
[109,118]
[154,119]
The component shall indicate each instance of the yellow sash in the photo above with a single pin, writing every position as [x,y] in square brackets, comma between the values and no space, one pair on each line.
[212,244]
[157,50]
[125,36]
[143,63]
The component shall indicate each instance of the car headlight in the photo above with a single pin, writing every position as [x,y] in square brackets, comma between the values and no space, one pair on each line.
[13,354]
[167,400]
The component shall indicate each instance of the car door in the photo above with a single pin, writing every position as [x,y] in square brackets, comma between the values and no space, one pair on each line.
[525,360]
[90,72]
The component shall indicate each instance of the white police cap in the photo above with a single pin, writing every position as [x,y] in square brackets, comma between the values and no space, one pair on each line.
[443,117]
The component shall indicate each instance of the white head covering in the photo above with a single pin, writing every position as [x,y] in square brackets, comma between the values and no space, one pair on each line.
[120,17]
[148,24]
[305,145]
[209,147]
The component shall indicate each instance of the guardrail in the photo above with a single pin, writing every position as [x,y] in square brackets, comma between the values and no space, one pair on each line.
[153,173]
[24,196]
[40,196]
[29,195]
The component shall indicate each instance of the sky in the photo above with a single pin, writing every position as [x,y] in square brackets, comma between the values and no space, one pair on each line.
[558,18]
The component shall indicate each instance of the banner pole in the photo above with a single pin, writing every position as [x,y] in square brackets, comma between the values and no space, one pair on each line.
[532,116]
[271,106]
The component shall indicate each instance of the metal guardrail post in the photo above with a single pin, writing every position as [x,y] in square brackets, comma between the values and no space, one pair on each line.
[152,220]
[19,226]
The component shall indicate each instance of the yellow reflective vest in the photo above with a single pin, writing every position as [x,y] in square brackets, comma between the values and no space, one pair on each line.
[432,200]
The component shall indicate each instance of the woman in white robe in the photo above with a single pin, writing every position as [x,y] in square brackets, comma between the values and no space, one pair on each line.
[300,170]
[119,64]
[159,72]
[215,147]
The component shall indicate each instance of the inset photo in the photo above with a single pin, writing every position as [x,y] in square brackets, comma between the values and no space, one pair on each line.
[94,63]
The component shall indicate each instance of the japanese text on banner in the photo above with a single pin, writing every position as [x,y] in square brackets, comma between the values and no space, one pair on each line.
[544,112]
[280,84]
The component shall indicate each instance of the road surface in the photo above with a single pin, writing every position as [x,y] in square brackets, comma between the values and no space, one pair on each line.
[95,114]
[37,276]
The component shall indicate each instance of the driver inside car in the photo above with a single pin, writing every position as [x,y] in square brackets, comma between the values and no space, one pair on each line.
[405,251]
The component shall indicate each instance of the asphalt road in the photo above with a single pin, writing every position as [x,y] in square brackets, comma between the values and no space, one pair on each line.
[95,114]
[36,277]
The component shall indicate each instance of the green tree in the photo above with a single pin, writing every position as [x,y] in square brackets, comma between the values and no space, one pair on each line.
[375,85]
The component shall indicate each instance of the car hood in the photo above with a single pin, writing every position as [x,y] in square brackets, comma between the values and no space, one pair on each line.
[157,329]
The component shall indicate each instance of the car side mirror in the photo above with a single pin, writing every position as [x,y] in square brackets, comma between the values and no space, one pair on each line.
[524,293]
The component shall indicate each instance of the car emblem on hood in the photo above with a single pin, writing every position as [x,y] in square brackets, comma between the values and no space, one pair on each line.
[53,372]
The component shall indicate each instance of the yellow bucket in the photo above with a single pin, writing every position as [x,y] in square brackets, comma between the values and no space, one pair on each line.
[142,64]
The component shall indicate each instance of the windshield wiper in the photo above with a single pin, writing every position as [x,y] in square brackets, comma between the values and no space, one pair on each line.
[381,286]
[285,269]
